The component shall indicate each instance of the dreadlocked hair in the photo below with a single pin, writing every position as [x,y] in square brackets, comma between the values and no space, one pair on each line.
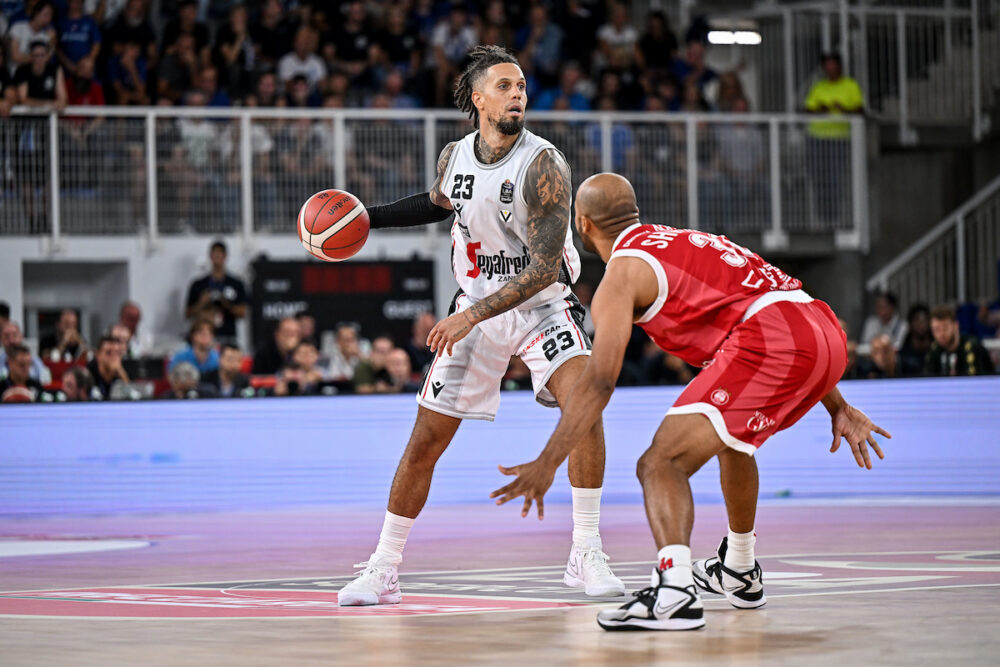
[480,58]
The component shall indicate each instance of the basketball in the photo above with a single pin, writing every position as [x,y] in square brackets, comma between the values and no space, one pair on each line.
[333,225]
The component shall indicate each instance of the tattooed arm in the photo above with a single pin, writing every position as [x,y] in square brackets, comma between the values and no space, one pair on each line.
[547,193]
[437,196]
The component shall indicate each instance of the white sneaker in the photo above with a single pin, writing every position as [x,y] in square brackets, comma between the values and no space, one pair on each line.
[659,607]
[378,583]
[588,569]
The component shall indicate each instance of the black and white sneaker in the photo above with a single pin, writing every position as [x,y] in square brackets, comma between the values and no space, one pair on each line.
[659,607]
[744,590]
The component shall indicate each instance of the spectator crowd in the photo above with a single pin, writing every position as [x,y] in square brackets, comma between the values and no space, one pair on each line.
[576,54]
[298,360]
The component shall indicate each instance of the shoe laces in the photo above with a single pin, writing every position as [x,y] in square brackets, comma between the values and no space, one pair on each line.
[596,561]
[372,568]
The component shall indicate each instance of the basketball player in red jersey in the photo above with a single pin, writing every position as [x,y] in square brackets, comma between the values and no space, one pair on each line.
[769,353]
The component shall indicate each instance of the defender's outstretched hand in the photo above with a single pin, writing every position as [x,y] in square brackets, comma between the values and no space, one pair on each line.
[533,480]
[854,426]
[449,331]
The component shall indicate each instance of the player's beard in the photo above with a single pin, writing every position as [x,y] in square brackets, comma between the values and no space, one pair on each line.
[588,245]
[508,126]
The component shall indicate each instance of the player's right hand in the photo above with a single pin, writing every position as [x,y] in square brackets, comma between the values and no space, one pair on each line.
[854,426]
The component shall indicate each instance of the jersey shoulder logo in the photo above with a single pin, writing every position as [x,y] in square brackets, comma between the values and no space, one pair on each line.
[506,192]
[505,216]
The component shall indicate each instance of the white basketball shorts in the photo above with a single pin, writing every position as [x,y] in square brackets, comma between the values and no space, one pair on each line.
[466,384]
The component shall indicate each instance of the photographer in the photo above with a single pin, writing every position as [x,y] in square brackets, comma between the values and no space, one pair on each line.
[218,297]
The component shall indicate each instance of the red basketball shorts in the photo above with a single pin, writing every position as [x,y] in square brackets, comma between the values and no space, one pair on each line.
[771,370]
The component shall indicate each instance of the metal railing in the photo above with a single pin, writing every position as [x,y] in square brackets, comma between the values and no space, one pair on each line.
[933,64]
[957,261]
[161,171]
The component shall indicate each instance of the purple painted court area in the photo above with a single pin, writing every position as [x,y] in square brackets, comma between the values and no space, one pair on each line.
[238,455]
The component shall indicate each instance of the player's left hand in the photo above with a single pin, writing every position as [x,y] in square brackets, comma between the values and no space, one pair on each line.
[854,426]
[449,331]
[533,480]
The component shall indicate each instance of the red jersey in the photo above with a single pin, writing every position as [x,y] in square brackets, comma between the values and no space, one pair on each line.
[707,285]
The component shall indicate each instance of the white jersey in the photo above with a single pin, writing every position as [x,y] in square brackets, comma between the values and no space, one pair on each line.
[490,232]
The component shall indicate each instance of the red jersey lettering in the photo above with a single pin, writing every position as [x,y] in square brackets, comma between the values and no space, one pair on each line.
[710,283]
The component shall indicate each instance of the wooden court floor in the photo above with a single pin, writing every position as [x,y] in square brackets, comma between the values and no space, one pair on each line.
[848,584]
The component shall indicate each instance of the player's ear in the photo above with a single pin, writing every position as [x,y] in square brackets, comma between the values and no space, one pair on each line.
[477,100]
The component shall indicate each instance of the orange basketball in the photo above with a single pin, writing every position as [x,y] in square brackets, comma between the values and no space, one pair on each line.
[333,225]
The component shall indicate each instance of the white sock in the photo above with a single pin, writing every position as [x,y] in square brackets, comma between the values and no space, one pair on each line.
[395,530]
[739,551]
[586,514]
[675,561]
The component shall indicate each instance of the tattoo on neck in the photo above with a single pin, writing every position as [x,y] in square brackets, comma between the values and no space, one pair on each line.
[487,154]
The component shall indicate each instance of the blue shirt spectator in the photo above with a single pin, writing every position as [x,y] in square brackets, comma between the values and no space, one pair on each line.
[209,363]
[78,34]
[200,352]
[546,100]
[127,76]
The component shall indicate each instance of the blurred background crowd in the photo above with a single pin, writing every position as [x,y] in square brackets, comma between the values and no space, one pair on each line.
[298,360]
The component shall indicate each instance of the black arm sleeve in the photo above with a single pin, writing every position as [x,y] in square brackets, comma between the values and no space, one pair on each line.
[407,212]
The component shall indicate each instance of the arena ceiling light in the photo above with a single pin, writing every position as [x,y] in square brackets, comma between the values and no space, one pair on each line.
[741,37]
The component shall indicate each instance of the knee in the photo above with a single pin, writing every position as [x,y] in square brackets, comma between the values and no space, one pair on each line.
[658,459]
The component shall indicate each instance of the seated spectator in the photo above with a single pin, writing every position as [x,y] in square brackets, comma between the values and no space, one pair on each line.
[307,325]
[85,90]
[127,76]
[272,33]
[569,88]
[881,362]
[219,297]
[8,92]
[453,36]
[41,83]
[539,45]
[885,320]
[302,60]
[208,84]
[200,351]
[301,377]
[371,375]
[421,355]
[730,94]
[185,383]
[347,353]
[140,343]
[77,384]
[691,68]
[617,40]
[178,70]
[400,42]
[23,34]
[265,92]
[106,367]
[227,380]
[79,39]
[65,343]
[660,368]
[235,55]
[658,46]
[953,353]
[400,373]
[11,337]
[131,26]
[918,341]
[187,23]
[298,94]
[275,353]
[395,95]
[18,386]
[346,47]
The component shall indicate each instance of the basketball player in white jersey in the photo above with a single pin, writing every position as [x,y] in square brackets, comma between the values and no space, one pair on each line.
[514,260]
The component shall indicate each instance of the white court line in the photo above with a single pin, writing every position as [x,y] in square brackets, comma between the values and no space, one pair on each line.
[202,584]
